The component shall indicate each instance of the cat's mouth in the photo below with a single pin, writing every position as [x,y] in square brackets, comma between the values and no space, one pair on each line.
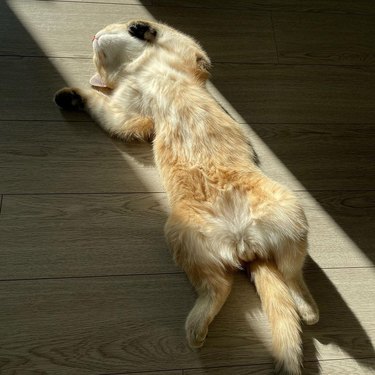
[98,51]
[96,43]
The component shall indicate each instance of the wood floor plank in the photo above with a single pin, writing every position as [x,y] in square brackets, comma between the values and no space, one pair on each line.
[31,83]
[253,31]
[64,157]
[105,325]
[314,6]
[83,235]
[173,372]
[123,2]
[340,228]
[344,367]
[319,156]
[122,324]
[266,369]
[363,7]
[298,94]
[75,235]
[310,38]
[332,367]
[335,292]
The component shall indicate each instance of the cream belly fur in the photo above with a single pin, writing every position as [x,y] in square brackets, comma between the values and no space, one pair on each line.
[225,213]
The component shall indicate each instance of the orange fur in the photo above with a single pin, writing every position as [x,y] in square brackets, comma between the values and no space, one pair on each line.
[224,211]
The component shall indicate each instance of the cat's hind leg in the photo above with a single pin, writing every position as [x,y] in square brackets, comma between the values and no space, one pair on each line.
[212,293]
[290,263]
[115,119]
[209,276]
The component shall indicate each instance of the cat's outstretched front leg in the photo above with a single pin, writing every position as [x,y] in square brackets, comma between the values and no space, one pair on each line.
[116,120]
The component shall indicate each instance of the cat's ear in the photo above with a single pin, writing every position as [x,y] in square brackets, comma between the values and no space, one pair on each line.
[142,30]
[97,81]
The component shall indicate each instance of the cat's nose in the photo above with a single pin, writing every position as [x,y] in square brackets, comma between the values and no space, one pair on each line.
[95,38]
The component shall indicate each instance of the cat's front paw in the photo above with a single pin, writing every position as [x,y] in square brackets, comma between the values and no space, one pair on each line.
[142,30]
[69,98]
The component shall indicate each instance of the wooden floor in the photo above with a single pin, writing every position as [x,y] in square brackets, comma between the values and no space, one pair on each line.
[87,286]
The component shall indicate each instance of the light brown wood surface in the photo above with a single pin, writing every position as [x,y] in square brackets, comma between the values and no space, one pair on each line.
[135,323]
[87,285]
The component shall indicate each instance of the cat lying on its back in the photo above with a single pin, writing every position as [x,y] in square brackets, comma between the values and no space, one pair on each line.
[225,213]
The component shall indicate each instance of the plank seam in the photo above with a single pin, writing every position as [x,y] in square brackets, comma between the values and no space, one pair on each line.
[92,276]
[163,192]
[162,371]
[232,366]
[213,61]
[145,274]
[239,122]
[86,193]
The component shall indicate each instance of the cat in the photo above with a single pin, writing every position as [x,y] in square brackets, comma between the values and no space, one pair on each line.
[225,213]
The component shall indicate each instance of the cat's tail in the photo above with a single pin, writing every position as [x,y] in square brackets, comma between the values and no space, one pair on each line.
[280,309]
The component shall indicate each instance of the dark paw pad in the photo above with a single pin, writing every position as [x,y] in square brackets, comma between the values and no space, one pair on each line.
[143,31]
[69,98]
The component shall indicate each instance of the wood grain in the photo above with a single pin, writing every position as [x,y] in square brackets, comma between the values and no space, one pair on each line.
[122,324]
[298,94]
[340,227]
[58,157]
[83,235]
[363,7]
[104,325]
[324,38]
[40,78]
[74,235]
[176,372]
[320,156]
[342,366]
[266,369]
[253,31]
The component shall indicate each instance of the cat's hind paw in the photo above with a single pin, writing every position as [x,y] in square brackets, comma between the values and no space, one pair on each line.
[69,98]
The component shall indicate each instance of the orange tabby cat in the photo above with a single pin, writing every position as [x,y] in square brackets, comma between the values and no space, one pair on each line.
[225,213]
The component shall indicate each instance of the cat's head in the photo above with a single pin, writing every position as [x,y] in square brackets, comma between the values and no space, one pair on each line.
[118,47]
